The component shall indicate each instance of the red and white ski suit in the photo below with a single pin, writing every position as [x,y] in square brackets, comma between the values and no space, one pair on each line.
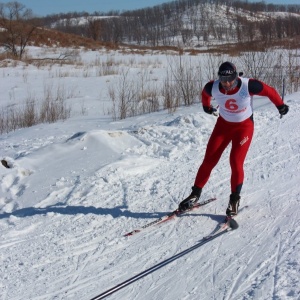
[234,124]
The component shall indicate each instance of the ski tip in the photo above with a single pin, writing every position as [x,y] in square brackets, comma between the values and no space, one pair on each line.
[233,224]
[132,232]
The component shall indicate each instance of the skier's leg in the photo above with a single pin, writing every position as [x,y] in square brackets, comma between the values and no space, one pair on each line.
[217,143]
[240,145]
[219,140]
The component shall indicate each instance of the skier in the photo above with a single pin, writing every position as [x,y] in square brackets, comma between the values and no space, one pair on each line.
[233,95]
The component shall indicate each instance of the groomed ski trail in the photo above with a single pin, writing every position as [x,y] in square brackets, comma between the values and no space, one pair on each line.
[68,244]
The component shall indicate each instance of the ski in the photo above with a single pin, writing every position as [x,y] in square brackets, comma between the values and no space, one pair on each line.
[169,216]
[229,223]
[219,228]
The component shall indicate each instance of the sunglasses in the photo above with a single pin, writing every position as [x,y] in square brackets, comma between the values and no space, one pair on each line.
[227,78]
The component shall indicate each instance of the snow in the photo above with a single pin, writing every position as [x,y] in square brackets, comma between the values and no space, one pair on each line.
[74,188]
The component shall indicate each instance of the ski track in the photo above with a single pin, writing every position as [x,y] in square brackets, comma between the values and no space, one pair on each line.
[69,244]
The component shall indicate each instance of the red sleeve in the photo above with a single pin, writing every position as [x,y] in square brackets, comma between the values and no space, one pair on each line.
[206,94]
[264,90]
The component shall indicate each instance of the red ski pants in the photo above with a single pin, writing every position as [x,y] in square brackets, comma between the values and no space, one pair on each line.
[240,135]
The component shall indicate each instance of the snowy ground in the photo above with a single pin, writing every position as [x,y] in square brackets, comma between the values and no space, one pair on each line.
[75,187]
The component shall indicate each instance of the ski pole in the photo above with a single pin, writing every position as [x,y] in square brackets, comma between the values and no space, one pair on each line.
[283,92]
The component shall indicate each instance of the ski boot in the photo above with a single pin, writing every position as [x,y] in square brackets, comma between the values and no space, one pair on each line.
[191,200]
[233,205]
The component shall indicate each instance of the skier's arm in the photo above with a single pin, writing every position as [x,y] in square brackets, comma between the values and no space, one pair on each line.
[206,98]
[260,88]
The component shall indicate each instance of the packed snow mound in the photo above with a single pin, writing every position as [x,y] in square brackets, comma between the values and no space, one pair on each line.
[84,151]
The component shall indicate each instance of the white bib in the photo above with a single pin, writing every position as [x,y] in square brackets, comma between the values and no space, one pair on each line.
[237,107]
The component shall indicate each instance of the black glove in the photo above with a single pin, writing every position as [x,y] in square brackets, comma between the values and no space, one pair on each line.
[210,110]
[283,109]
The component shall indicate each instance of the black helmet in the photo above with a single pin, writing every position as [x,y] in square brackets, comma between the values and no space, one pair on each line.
[227,71]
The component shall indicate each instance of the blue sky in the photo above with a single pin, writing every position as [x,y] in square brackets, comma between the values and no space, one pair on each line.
[42,8]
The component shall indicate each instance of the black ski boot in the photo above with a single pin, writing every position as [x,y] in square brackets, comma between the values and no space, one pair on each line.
[233,205]
[191,200]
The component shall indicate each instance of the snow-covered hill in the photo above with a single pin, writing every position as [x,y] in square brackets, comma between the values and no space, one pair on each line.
[75,187]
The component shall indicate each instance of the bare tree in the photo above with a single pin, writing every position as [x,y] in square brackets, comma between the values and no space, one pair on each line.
[93,28]
[17,28]
[186,77]
[257,64]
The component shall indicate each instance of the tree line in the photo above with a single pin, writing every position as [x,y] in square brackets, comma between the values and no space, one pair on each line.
[182,22]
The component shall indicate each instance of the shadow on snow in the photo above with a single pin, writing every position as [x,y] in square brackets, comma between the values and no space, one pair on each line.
[115,212]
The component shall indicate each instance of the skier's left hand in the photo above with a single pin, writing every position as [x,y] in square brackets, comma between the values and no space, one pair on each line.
[283,109]
[210,110]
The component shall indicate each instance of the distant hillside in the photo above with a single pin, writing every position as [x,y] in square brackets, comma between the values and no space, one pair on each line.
[46,37]
[198,24]
[186,25]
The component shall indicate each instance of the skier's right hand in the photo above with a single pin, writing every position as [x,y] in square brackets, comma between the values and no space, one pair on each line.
[283,109]
[210,110]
